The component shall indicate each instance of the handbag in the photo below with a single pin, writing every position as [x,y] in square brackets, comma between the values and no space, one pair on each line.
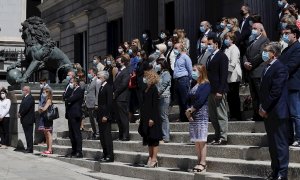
[132,81]
[52,113]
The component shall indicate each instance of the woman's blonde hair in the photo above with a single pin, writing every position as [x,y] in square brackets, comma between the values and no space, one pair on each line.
[152,77]
[202,74]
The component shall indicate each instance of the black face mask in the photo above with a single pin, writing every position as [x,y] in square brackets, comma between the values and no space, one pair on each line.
[242,13]
[118,65]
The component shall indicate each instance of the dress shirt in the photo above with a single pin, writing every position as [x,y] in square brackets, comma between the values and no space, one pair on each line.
[183,66]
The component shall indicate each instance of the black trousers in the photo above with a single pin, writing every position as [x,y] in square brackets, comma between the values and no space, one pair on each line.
[28,131]
[122,119]
[277,133]
[234,101]
[4,128]
[75,134]
[254,84]
[106,139]
[93,119]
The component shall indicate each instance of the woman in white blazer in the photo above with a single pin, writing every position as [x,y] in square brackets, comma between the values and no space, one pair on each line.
[234,75]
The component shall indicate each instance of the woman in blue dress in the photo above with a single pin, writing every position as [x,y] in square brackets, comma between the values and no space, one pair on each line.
[197,114]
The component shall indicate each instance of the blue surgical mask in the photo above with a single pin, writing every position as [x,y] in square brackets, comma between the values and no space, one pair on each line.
[71,85]
[227,42]
[222,25]
[90,76]
[203,46]
[68,78]
[229,26]
[210,48]
[157,68]
[254,32]
[44,94]
[163,36]
[283,25]
[265,56]
[129,51]
[195,75]
[280,3]
[176,52]
[108,62]
[285,38]
[202,29]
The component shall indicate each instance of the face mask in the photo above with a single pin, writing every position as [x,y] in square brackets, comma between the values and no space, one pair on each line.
[158,68]
[130,51]
[283,25]
[3,96]
[175,35]
[254,32]
[99,81]
[120,50]
[176,52]
[280,4]
[202,29]
[144,36]
[203,46]
[229,26]
[90,76]
[71,85]
[145,80]
[227,42]
[108,62]
[95,61]
[195,75]
[285,38]
[118,65]
[250,23]
[222,25]
[68,78]
[42,86]
[265,56]
[170,44]
[162,35]
[44,94]
[157,51]
[210,48]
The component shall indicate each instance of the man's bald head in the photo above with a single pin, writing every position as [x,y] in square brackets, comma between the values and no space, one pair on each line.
[26,90]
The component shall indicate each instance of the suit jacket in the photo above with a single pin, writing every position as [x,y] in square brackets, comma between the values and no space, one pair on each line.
[245,31]
[92,92]
[105,98]
[253,55]
[203,58]
[273,91]
[74,104]
[26,110]
[291,58]
[120,88]
[217,72]
[66,95]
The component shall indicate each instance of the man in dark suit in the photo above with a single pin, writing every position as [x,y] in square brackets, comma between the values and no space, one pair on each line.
[217,72]
[69,89]
[291,58]
[105,98]
[121,95]
[245,28]
[254,65]
[74,114]
[27,116]
[274,110]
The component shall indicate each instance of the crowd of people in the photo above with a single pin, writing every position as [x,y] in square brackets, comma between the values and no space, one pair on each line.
[149,76]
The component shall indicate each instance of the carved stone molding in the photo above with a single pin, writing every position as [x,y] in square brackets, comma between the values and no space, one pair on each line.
[47,4]
[114,8]
[55,30]
[80,20]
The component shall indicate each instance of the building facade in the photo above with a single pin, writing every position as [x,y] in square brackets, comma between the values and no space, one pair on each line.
[83,28]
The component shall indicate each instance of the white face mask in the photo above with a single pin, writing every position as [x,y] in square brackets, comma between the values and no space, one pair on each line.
[120,50]
[170,44]
[41,86]
[95,61]
[3,96]
[99,81]
[44,94]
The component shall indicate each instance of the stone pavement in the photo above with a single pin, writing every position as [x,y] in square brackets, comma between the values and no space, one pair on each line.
[19,166]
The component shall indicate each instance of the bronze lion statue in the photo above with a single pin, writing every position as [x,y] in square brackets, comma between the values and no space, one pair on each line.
[40,51]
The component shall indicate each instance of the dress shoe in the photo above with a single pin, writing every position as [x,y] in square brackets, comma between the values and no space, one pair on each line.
[108,159]
[78,155]
[70,155]
[28,151]
[219,142]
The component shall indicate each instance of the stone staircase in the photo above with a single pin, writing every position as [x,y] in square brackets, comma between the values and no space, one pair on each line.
[245,157]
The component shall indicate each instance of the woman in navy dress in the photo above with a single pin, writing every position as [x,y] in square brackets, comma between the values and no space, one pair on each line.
[197,114]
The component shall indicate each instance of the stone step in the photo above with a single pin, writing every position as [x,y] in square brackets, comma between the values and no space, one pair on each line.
[249,139]
[224,151]
[183,163]
[131,165]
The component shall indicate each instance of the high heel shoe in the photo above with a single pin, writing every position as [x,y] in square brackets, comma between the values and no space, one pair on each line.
[155,165]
